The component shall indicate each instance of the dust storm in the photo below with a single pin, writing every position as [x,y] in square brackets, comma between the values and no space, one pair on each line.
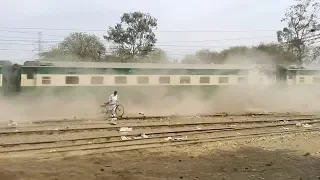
[75,103]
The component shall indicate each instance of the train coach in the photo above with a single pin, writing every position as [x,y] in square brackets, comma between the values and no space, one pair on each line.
[132,78]
[302,76]
[38,76]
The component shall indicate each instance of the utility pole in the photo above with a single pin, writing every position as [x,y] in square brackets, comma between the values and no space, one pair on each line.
[39,44]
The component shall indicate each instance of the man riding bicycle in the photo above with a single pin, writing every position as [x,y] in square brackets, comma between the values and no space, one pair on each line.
[112,103]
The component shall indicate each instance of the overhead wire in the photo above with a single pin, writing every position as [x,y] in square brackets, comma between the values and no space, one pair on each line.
[29,32]
[22,39]
[17,40]
[315,37]
[190,41]
[26,38]
[166,31]
[36,30]
[164,46]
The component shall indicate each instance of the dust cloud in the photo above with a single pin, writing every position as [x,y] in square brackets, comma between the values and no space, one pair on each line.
[229,99]
[76,103]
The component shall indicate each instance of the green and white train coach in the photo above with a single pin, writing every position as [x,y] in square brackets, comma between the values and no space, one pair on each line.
[135,77]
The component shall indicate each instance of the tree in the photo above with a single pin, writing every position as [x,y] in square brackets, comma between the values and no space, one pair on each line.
[277,53]
[157,56]
[299,34]
[315,55]
[207,56]
[112,58]
[78,45]
[191,59]
[203,56]
[271,53]
[53,53]
[229,54]
[133,37]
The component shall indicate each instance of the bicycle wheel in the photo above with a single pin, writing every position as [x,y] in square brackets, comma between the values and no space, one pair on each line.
[119,110]
[102,111]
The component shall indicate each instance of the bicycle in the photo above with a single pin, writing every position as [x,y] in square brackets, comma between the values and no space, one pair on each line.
[104,111]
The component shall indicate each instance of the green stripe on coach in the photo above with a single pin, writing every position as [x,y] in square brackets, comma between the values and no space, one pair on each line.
[133,71]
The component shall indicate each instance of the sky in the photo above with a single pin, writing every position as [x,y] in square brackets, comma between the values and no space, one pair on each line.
[184,26]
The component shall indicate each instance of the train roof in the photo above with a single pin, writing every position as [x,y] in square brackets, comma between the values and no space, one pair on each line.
[5,62]
[138,65]
[304,68]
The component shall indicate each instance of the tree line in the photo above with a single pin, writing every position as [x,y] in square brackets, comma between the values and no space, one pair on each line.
[133,40]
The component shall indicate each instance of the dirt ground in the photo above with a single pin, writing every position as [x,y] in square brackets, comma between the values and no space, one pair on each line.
[290,156]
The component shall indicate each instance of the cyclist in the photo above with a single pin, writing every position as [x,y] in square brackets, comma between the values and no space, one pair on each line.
[112,102]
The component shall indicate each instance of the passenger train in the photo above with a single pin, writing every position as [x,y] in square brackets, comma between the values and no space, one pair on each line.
[37,76]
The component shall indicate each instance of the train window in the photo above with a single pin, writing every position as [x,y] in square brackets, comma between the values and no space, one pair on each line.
[204,80]
[291,74]
[301,79]
[72,80]
[223,80]
[143,80]
[46,80]
[316,80]
[30,72]
[164,80]
[120,80]
[30,75]
[242,80]
[96,79]
[184,80]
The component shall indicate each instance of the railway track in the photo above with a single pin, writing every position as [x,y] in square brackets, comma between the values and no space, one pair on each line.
[156,118]
[155,139]
[107,147]
[141,146]
[96,127]
[179,131]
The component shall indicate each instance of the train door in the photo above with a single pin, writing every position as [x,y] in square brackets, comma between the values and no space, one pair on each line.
[29,76]
[281,75]
[17,70]
[292,76]
[11,79]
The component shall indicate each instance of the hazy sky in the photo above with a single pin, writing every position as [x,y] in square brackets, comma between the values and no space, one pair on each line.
[227,22]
